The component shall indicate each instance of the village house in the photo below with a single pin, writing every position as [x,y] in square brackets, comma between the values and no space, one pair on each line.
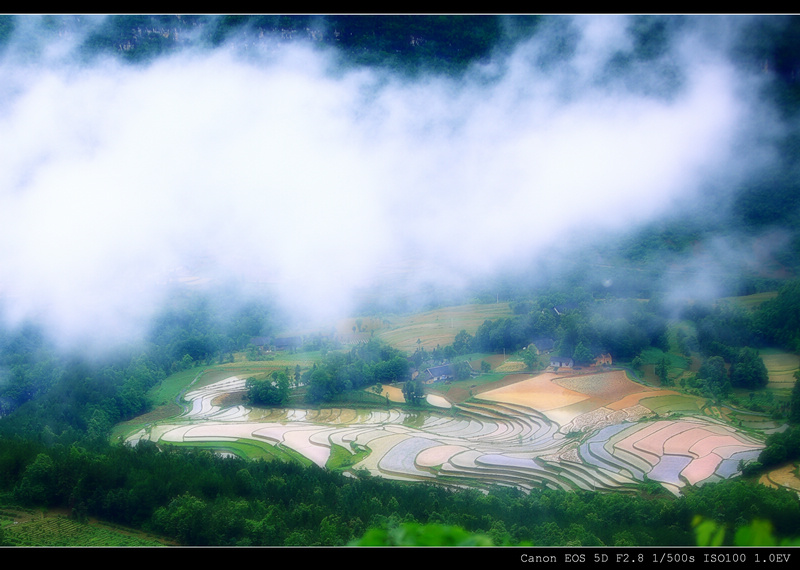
[603,360]
[543,345]
[561,362]
[438,374]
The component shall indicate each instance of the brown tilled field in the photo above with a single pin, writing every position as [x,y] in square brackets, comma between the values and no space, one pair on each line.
[608,386]
[538,392]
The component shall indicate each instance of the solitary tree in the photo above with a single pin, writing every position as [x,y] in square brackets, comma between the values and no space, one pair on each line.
[749,371]
[715,376]
[462,344]
[582,354]
[273,391]
[530,358]
[461,370]
[662,371]
[413,391]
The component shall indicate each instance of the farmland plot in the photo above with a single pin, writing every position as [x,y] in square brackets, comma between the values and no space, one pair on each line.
[591,432]
[783,477]
[781,366]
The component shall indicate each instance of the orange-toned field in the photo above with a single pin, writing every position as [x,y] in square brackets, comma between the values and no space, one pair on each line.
[550,391]
[607,386]
[538,392]
[785,476]
[393,393]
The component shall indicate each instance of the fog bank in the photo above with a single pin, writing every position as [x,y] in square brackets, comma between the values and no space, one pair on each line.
[117,181]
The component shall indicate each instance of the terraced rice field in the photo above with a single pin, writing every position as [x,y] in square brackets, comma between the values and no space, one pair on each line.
[783,477]
[593,431]
[781,366]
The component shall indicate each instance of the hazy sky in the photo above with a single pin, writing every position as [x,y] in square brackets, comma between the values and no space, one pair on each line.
[115,179]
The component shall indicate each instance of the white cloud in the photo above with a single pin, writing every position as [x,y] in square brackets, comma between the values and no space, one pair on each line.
[111,176]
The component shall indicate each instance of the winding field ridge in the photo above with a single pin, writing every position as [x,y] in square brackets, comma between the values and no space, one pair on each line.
[587,432]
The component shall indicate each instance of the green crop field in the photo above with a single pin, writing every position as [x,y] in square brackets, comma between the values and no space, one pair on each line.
[341,458]
[247,449]
[753,301]
[781,365]
[673,404]
[61,531]
[438,327]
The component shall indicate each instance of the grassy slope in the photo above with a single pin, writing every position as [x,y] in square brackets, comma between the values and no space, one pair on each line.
[781,365]
[438,327]
[752,301]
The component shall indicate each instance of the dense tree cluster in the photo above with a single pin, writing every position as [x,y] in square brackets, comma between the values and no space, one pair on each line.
[580,330]
[723,329]
[729,336]
[778,319]
[794,403]
[716,380]
[414,391]
[362,367]
[781,447]
[715,377]
[86,401]
[272,391]
[29,366]
[748,370]
[196,327]
[510,334]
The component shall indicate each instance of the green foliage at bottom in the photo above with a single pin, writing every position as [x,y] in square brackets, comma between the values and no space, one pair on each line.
[414,534]
[707,533]
[757,533]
